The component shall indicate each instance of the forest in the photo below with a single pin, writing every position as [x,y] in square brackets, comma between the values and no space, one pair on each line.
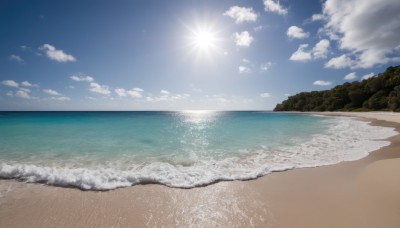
[381,92]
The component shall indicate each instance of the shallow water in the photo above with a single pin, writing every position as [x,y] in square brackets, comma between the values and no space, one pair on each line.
[106,150]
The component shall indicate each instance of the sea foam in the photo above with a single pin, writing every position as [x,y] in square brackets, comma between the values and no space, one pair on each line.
[346,139]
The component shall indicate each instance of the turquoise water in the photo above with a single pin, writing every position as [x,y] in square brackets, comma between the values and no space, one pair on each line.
[105,150]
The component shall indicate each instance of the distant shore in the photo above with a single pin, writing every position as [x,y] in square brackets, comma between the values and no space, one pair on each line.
[362,193]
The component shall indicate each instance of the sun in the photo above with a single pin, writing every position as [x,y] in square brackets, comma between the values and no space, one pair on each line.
[203,39]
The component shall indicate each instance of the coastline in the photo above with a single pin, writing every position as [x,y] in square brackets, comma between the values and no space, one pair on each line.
[348,194]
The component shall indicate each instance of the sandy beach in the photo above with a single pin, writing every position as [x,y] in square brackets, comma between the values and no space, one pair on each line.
[362,193]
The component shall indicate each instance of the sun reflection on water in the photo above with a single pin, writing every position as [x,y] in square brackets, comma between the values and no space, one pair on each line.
[198,117]
[197,132]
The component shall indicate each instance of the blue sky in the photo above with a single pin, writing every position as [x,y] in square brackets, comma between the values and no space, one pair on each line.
[179,55]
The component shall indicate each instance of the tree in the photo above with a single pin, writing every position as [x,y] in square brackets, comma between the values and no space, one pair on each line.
[394,99]
[378,101]
[376,93]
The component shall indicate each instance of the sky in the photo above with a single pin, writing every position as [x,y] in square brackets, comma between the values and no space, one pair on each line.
[188,54]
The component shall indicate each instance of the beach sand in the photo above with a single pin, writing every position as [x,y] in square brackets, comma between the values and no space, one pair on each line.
[362,193]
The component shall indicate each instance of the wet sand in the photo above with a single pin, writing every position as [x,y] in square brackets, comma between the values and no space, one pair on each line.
[363,193]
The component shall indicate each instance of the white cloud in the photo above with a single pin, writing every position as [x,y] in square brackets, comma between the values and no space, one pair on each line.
[56,55]
[52,92]
[301,54]
[22,94]
[367,76]
[120,92]
[243,39]
[317,17]
[350,76]
[241,14]
[60,98]
[295,32]
[224,100]
[135,92]
[10,83]
[264,67]
[286,94]
[245,60]
[167,96]
[258,28]
[265,95]
[82,78]
[97,88]
[16,58]
[321,49]
[25,89]
[342,61]
[217,98]
[322,83]
[367,29]
[244,70]
[272,6]
[165,92]
[179,96]
[27,84]
[149,99]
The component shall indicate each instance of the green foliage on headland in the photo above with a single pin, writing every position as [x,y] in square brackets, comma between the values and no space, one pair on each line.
[381,92]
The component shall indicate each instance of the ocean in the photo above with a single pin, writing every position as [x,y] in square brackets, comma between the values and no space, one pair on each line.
[186,149]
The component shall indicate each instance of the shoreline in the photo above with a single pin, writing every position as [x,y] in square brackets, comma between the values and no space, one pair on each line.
[339,195]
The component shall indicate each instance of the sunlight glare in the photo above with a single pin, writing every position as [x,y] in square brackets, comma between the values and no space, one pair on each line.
[198,116]
[203,39]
